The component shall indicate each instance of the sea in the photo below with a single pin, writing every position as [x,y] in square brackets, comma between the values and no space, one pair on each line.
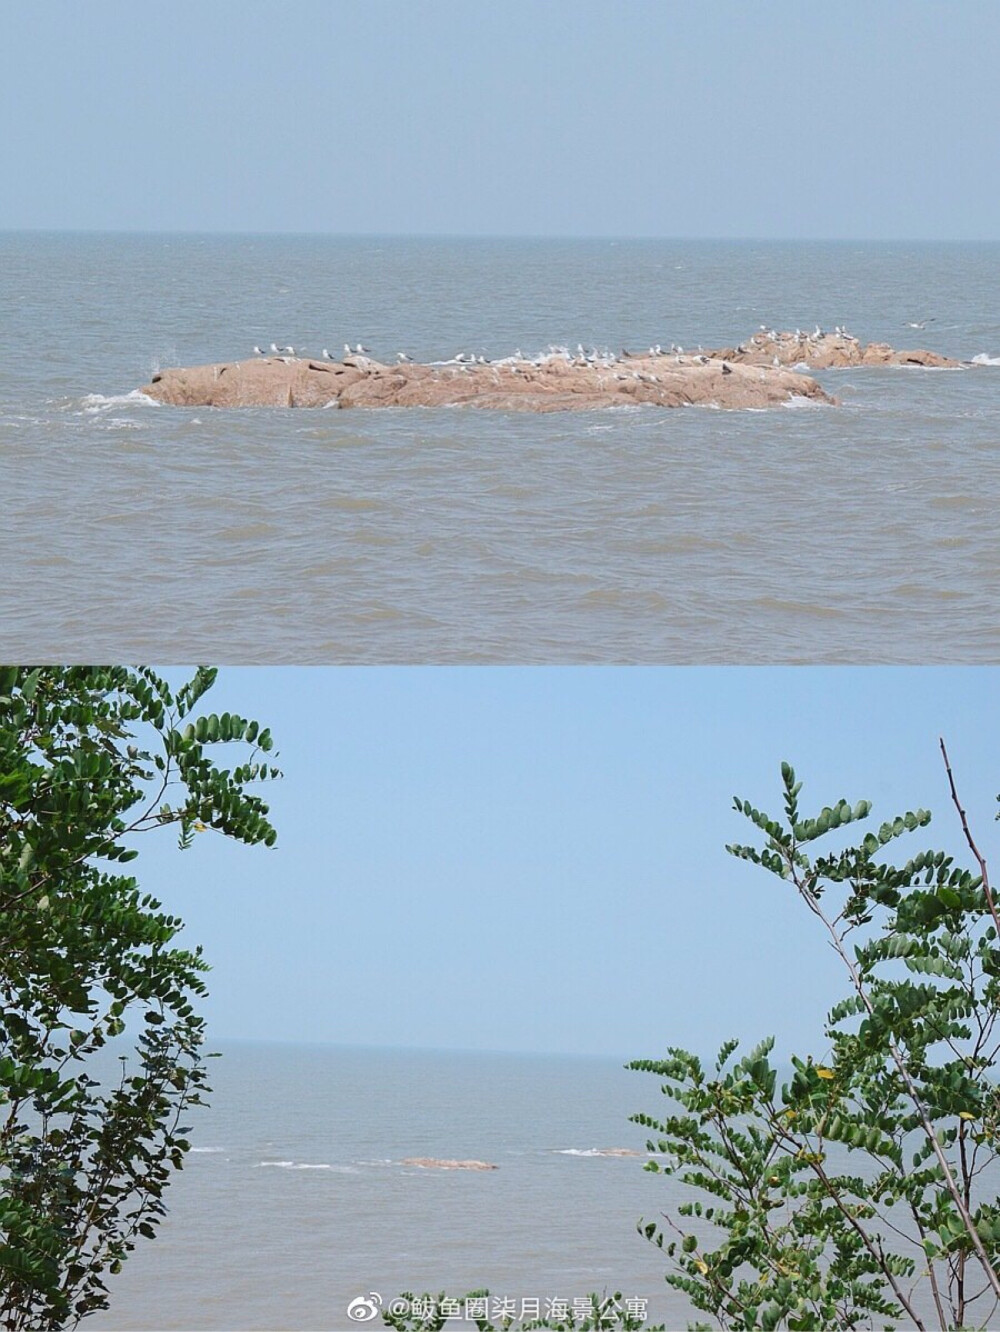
[864,532]
[296,1199]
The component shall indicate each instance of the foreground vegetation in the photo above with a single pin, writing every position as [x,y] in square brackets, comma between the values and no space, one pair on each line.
[89,759]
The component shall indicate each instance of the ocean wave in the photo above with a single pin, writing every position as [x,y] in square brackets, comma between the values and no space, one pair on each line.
[207,1151]
[982,359]
[307,1165]
[596,1151]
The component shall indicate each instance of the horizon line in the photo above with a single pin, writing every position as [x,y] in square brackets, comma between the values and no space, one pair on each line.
[503,235]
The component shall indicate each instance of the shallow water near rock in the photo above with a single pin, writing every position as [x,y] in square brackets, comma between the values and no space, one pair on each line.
[859,533]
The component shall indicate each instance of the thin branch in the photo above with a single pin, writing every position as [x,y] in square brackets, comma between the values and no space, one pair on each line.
[980,860]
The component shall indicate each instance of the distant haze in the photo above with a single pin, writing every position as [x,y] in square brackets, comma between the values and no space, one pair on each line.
[570,118]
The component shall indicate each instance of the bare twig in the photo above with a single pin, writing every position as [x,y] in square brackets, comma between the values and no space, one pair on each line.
[980,859]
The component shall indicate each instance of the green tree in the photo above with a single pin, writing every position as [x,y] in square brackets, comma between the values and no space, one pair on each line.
[864,1189]
[89,757]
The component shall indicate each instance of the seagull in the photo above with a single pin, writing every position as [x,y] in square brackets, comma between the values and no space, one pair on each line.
[402,356]
[258,351]
[288,351]
[275,350]
[326,355]
[360,351]
[726,369]
[347,349]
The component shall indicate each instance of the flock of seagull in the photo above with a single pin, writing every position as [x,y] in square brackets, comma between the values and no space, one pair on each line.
[291,352]
[583,356]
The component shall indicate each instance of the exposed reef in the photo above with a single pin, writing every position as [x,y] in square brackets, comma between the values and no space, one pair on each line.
[546,384]
[436,1163]
[761,372]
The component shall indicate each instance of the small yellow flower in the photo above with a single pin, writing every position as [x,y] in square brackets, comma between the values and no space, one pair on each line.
[824,1072]
[702,1267]
[200,827]
[964,1114]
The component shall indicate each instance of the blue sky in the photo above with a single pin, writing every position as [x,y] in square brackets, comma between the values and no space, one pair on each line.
[533,859]
[571,117]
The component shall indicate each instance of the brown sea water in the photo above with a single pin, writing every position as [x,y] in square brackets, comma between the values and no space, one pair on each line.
[861,533]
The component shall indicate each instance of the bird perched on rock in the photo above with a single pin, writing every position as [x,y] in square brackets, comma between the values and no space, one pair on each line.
[726,369]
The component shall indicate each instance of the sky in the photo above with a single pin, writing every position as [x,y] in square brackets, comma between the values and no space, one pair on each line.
[534,859]
[568,118]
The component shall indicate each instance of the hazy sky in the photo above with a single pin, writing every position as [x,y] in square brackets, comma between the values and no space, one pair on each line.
[533,859]
[569,117]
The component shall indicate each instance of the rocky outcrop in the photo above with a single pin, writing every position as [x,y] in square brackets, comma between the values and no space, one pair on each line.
[826,351]
[545,384]
[435,1163]
[763,371]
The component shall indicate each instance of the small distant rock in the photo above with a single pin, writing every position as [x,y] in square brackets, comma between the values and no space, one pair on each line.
[826,351]
[435,1163]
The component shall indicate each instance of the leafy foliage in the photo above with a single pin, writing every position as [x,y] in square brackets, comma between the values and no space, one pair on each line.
[89,757]
[864,1188]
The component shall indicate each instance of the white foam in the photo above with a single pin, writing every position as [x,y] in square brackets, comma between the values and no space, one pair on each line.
[98,402]
[983,359]
[206,1151]
[799,403]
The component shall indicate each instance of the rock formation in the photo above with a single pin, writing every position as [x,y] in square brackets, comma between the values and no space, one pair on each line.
[546,384]
[756,373]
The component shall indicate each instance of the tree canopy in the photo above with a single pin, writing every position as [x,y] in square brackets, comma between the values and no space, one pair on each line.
[90,757]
